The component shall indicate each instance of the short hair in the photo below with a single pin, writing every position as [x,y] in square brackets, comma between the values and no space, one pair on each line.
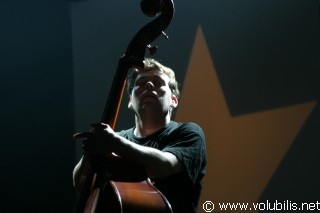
[151,64]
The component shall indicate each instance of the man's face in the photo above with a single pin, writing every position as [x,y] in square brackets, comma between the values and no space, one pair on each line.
[151,92]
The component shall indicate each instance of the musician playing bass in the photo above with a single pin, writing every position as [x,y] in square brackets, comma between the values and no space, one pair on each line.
[173,154]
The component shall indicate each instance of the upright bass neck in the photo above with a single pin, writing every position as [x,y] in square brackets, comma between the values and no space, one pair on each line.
[135,53]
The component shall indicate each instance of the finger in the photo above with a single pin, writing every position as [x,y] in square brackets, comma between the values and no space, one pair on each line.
[86,152]
[99,126]
[87,148]
[86,142]
[81,135]
[90,150]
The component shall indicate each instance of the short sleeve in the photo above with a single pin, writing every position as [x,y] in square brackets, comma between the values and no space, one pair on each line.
[188,145]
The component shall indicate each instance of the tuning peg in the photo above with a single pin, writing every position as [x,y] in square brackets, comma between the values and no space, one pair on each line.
[152,49]
[164,34]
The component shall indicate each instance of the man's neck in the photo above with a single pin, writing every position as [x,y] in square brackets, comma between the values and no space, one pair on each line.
[145,127]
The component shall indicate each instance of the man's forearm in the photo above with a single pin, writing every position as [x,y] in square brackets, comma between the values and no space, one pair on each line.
[79,174]
[157,163]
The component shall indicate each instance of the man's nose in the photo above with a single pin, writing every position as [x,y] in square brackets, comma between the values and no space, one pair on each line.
[149,85]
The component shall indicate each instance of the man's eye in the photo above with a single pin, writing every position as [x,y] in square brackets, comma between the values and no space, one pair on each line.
[155,82]
[158,83]
[140,83]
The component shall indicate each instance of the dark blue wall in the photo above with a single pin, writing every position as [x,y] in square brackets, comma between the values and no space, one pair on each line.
[36,110]
[57,60]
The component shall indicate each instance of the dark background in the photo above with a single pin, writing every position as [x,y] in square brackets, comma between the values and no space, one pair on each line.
[57,60]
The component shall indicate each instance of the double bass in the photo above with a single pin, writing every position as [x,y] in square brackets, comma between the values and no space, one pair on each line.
[109,188]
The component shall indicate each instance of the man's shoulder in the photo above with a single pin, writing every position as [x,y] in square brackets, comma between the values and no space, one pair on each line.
[125,132]
[188,126]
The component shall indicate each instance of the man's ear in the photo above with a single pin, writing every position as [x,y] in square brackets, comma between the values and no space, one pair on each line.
[175,101]
[130,103]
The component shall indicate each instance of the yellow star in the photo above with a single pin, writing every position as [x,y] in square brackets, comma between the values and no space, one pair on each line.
[243,151]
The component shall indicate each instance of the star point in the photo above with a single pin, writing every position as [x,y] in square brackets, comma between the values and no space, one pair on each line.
[243,151]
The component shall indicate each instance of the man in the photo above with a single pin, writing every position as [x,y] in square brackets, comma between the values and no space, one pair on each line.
[172,153]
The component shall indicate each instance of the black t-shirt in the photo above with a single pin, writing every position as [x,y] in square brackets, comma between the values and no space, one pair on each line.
[187,142]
